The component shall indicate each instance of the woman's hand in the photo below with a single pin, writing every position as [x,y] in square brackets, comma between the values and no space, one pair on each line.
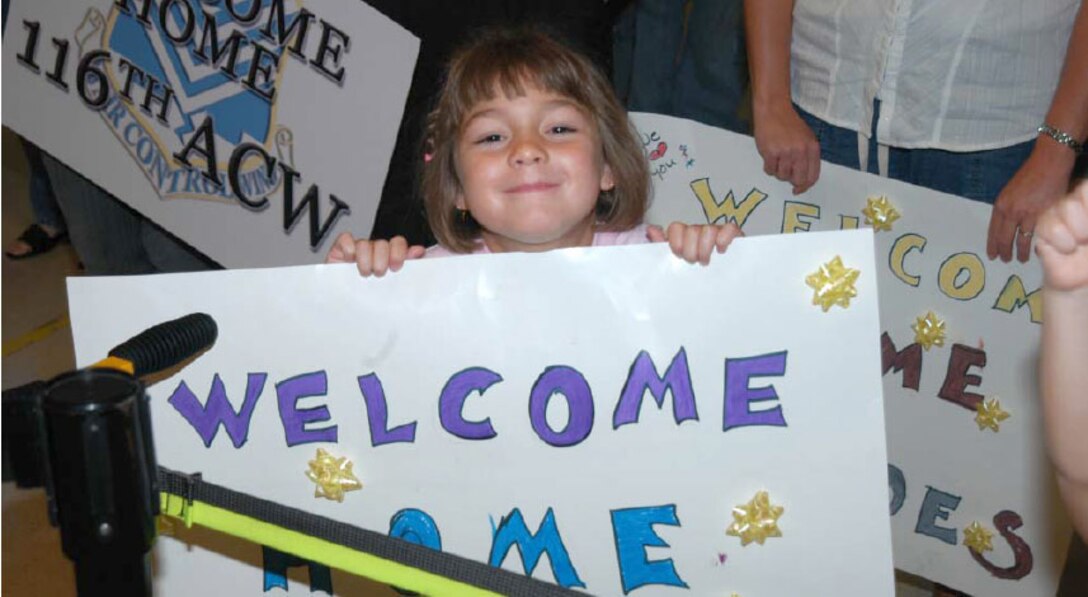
[373,257]
[695,242]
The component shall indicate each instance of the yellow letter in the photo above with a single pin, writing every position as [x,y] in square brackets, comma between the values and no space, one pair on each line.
[903,245]
[1013,296]
[728,208]
[848,223]
[792,212]
[951,270]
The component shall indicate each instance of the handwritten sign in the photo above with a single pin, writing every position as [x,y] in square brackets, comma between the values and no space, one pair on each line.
[646,424]
[959,337]
[255,131]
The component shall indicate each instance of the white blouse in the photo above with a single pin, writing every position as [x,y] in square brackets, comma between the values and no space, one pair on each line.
[959,75]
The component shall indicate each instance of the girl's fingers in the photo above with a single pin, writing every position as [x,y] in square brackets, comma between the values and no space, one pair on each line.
[398,252]
[655,233]
[364,258]
[380,257]
[416,252]
[691,244]
[708,236]
[675,235]
[725,236]
[343,249]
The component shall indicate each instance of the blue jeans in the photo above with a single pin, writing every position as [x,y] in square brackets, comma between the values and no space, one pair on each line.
[702,76]
[110,238]
[42,200]
[978,175]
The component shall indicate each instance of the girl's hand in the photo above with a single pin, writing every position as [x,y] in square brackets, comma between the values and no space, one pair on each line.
[1061,241]
[695,242]
[373,257]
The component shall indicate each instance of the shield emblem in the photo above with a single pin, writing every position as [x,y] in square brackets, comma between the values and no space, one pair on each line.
[176,49]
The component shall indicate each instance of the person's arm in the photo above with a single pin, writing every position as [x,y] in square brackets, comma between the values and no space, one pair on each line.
[1044,177]
[1062,246]
[789,148]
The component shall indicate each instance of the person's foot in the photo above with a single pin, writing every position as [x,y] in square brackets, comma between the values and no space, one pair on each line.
[35,240]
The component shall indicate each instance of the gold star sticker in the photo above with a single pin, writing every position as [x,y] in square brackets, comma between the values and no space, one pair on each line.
[990,415]
[879,213]
[834,284]
[332,476]
[755,521]
[928,330]
[978,538]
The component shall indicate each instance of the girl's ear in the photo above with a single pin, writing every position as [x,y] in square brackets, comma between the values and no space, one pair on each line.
[608,181]
[459,201]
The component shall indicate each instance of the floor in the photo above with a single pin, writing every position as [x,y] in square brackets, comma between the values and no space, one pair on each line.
[37,345]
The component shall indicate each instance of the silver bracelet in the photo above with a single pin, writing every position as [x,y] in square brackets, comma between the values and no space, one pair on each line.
[1062,137]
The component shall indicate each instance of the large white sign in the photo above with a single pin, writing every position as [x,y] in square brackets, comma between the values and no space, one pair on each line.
[611,419]
[965,439]
[255,130]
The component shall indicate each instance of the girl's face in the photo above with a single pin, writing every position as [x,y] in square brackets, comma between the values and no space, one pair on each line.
[531,168]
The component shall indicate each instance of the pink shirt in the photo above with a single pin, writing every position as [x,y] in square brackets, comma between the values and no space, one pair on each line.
[634,236]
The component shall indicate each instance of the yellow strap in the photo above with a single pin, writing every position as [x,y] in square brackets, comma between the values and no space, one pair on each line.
[117,364]
[314,549]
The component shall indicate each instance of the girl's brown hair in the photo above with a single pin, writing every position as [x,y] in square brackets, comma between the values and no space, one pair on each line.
[508,60]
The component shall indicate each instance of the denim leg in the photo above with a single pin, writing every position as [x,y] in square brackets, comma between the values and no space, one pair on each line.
[42,201]
[659,28]
[978,175]
[837,145]
[168,254]
[712,78]
[105,234]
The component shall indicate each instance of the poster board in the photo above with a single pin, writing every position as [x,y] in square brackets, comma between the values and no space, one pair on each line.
[255,131]
[488,392]
[947,471]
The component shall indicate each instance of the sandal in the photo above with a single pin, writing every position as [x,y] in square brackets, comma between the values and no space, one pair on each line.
[38,240]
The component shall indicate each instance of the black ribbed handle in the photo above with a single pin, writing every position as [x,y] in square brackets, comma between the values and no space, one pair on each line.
[167,344]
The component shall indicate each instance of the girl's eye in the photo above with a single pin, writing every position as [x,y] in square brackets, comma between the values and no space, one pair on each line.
[492,138]
[562,129]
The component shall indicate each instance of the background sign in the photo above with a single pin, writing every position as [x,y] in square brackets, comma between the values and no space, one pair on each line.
[950,468]
[255,130]
[592,417]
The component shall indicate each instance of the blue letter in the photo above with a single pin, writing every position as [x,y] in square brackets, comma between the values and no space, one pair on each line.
[937,504]
[377,415]
[633,529]
[512,530]
[217,410]
[415,526]
[738,395]
[898,486]
[643,376]
[276,564]
[295,419]
[452,401]
[568,382]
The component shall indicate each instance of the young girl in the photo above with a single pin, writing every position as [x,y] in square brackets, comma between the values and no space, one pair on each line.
[530,151]
[1062,245]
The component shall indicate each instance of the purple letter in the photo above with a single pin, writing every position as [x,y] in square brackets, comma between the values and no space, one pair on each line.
[377,415]
[452,401]
[643,376]
[570,383]
[738,395]
[206,419]
[295,419]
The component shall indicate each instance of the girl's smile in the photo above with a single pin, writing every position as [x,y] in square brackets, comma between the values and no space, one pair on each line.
[531,170]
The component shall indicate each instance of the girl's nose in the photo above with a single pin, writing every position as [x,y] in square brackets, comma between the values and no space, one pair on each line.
[526,150]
